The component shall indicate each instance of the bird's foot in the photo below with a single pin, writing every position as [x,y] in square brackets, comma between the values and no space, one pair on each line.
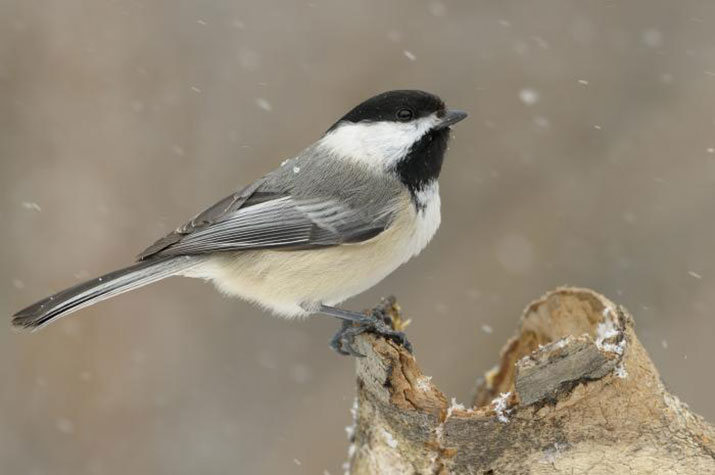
[379,322]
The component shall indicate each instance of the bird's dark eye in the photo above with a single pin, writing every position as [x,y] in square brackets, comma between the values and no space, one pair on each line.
[404,115]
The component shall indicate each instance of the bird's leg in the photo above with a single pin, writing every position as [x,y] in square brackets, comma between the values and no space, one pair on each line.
[377,322]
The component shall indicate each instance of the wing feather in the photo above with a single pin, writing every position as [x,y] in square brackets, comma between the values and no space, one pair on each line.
[287,210]
[277,222]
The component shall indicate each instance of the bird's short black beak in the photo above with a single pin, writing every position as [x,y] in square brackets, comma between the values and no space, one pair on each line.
[451,117]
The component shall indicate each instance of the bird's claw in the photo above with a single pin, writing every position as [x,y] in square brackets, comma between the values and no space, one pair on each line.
[378,323]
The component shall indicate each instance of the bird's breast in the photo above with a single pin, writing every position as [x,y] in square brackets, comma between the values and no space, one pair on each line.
[284,280]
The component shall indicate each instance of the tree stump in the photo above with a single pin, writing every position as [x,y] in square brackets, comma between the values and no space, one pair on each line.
[574,392]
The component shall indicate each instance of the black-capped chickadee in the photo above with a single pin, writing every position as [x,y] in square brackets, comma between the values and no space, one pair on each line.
[323,227]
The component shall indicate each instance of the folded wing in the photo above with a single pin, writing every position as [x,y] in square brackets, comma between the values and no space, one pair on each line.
[255,219]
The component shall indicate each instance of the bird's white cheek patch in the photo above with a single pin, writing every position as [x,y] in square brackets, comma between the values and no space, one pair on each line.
[377,144]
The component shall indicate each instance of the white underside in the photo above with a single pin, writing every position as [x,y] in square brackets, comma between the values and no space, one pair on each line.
[285,282]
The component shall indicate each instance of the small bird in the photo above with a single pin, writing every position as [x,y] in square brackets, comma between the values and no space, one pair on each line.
[326,225]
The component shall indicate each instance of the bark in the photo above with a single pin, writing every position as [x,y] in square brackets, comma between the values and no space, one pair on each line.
[574,392]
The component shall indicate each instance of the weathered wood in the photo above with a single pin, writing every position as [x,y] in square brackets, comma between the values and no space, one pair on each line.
[574,392]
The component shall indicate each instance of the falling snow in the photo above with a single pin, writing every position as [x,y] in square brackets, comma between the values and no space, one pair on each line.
[249,59]
[31,206]
[301,373]
[666,78]
[394,36]
[437,9]
[529,96]
[515,253]
[652,38]
[264,104]
[541,121]
[410,55]
[64,425]
[267,359]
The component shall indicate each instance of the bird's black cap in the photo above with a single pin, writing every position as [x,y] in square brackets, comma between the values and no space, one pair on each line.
[392,106]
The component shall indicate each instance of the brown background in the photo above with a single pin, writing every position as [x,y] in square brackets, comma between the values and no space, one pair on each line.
[121,119]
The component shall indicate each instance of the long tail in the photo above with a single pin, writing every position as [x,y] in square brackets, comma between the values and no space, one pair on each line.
[92,291]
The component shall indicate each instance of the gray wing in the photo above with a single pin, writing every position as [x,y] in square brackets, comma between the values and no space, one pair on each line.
[226,206]
[259,217]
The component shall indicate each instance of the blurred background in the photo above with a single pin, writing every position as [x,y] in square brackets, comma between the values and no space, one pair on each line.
[588,159]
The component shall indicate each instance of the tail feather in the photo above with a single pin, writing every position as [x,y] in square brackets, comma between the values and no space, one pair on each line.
[92,291]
